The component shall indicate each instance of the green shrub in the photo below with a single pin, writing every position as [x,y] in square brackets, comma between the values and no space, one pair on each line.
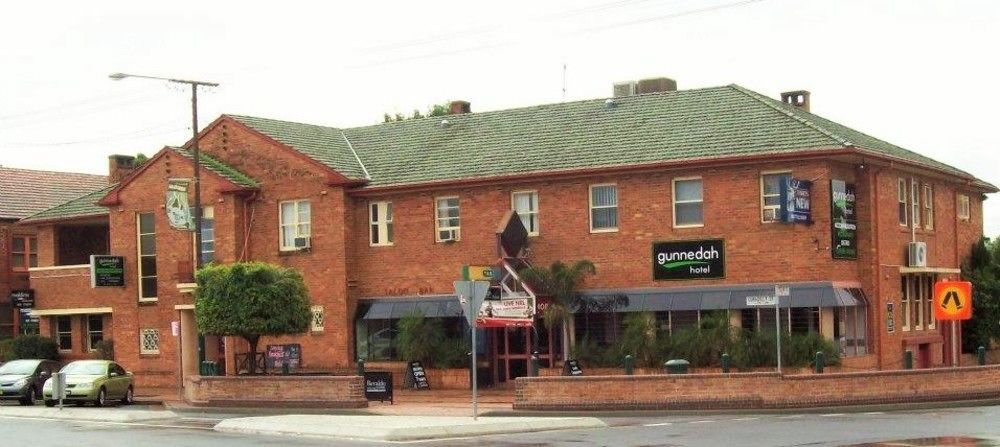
[756,349]
[5,348]
[33,347]
[591,354]
[452,353]
[104,350]
[753,349]
[424,339]
[800,350]
[639,338]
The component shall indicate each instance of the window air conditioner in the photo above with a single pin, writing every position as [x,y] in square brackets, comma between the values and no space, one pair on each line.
[448,235]
[917,254]
[302,242]
[627,88]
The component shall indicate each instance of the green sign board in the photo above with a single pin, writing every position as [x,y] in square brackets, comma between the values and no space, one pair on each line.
[107,271]
[843,220]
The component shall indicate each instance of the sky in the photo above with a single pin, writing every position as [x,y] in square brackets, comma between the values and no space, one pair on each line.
[917,73]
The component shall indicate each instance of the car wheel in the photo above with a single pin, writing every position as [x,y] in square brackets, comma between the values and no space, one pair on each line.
[102,398]
[29,399]
[129,397]
[50,403]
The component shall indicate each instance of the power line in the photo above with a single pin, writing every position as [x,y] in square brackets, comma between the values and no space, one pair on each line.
[134,135]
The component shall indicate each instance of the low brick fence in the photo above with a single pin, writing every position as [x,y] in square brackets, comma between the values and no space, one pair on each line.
[755,390]
[271,391]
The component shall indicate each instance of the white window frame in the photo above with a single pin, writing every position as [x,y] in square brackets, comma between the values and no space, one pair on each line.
[929,319]
[928,206]
[905,303]
[901,195]
[673,208]
[383,211]
[138,251]
[590,210]
[437,219]
[763,206]
[207,213]
[90,331]
[915,203]
[142,341]
[318,321]
[964,211]
[531,214]
[294,226]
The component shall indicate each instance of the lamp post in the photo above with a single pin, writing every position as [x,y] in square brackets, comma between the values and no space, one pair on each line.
[197,182]
[194,149]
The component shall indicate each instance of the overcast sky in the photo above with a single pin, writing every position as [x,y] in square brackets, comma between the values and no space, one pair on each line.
[920,74]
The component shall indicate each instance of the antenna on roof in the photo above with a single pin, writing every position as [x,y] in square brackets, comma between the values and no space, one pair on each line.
[564,83]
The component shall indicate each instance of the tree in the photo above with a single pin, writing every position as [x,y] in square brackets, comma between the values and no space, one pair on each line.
[251,299]
[983,271]
[561,283]
[434,110]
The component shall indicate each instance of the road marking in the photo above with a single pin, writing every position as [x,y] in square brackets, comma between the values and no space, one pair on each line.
[872,413]
[746,419]
[135,424]
[832,415]
[660,424]
[794,416]
[699,422]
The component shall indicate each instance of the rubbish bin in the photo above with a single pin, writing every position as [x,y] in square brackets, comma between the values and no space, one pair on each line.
[677,366]
[209,368]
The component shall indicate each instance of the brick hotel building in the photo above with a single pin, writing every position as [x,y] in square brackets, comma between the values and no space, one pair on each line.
[381,219]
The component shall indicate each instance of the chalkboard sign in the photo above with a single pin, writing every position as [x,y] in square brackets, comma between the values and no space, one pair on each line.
[107,271]
[378,386]
[419,375]
[278,355]
[22,299]
[572,368]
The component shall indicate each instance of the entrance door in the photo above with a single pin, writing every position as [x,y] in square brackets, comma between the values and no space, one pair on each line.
[924,356]
[513,349]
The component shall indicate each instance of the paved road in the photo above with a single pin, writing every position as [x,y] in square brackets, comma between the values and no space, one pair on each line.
[831,429]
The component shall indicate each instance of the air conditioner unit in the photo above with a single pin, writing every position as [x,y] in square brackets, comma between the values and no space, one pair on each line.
[448,235]
[918,254]
[772,214]
[302,242]
[627,88]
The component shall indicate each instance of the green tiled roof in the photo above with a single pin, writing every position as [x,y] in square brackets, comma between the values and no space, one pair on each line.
[83,206]
[660,127]
[220,168]
[326,145]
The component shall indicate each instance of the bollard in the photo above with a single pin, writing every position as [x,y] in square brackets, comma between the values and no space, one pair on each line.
[629,364]
[534,364]
[820,362]
[908,360]
[981,355]
[285,368]
[361,367]
[726,361]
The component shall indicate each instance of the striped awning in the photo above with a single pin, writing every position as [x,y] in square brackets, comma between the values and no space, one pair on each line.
[392,308]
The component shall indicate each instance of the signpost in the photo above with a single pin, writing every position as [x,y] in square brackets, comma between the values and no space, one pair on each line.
[471,295]
[953,301]
[764,301]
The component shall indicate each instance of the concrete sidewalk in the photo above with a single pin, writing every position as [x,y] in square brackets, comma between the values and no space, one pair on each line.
[86,414]
[398,428]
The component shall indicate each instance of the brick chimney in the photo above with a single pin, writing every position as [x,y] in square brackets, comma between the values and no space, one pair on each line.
[797,98]
[460,107]
[119,166]
[655,85]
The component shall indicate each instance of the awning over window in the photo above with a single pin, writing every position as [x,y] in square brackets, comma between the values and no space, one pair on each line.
[810,294]
[438,306]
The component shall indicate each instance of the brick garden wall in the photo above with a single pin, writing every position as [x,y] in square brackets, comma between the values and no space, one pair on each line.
[755,390]
[296,391]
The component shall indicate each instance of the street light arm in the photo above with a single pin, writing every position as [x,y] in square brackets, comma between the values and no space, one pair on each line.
[120,76]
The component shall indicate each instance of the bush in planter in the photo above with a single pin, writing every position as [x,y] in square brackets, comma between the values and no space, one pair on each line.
[424,339]
[452,353]
[33,347]
[639,338]
[800,349]
[754,349]
[5,348]
[104,350]
[591,354]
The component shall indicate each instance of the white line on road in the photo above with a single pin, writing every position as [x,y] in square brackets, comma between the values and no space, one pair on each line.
[659,424]
[832,415]
[872,413]
[794,416]
[699,422]
[745,419]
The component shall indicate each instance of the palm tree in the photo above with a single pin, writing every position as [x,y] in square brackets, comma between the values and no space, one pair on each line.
[560,282]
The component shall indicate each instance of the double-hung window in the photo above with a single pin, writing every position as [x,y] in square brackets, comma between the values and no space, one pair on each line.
[207,235]
[915,203]
[770,196]
[688,203]
[603,208]
[448,219]
[146,223]
[23,253]
[964,212]
[901,197]
[294,223]
[928,207]
[95,331]
[64,332]
[380,223]
[526,205]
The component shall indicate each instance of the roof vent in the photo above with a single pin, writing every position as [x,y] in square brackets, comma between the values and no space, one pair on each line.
[445,123]
[460,107]
[796,98]
[626,88]
[609,103]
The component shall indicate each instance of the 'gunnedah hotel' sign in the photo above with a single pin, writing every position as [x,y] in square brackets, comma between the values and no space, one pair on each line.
[701,259]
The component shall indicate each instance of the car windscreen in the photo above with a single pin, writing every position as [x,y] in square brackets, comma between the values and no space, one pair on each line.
[19,367]
[86,369]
